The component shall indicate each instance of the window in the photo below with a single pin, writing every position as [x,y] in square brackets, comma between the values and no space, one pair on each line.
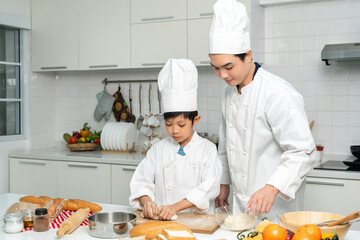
[11,97]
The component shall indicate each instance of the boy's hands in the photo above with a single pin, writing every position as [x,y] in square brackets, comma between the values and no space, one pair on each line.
[167,212]
[150,209]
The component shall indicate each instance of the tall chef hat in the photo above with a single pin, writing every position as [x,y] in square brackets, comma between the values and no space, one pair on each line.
[229,33]
[178,84]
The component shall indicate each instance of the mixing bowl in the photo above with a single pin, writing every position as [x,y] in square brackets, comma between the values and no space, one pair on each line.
[110,225]
[293,220]
[355,150]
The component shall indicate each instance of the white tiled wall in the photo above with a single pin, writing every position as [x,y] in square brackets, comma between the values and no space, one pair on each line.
[295,35]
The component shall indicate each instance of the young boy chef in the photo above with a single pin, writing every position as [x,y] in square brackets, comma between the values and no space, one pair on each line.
[181,171]
[265,146]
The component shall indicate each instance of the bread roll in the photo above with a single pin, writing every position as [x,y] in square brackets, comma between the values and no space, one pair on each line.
[76,204]
[152,228]
[42,200]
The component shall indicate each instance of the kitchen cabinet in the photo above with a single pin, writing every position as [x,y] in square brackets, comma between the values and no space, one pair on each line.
[200,8]
[158,10]
[104,34]
[121,177]
[54,35]
[154,43]
[33,177]
[332,195]
[88,181]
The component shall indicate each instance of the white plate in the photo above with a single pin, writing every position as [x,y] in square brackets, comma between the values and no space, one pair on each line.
[102,137]
[117,138]
[130,136]
[107,136]
[112,136]
[124,130]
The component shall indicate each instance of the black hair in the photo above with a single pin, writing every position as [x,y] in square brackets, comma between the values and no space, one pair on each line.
[189,115]
[241,56]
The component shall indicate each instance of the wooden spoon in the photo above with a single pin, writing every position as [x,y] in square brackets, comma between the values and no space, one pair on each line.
[311,124]
[345,219]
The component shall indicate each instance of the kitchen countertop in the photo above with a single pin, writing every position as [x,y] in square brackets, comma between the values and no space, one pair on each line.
[61,153]
[7,199]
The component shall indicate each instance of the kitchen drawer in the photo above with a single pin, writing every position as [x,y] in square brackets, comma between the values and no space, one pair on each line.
[33,177]
[88,181]
[121,177]
[332,195]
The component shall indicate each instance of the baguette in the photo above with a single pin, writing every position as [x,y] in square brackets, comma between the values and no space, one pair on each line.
[152,228]
[52,208]
[42,200]
[76,204]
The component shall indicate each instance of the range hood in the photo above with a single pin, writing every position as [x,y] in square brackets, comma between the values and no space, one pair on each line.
[341,52]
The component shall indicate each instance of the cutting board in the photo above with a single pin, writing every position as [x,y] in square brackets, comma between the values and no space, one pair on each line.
[198,223]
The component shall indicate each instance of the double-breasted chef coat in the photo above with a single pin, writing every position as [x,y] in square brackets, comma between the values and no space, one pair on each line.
[265,138]
[168,177]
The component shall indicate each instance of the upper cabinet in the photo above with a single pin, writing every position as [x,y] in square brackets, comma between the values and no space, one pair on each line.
[200,8]
[157,10]
[104,34]
[54,35]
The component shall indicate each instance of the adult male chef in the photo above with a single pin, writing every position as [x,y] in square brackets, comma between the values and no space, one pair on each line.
[265,146]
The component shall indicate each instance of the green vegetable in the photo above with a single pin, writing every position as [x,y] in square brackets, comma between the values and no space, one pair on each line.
[87,139]
[66,137]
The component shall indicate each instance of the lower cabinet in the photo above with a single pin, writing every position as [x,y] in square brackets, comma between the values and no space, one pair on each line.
[33,177]
[339,196]
[88,181]
[121,177]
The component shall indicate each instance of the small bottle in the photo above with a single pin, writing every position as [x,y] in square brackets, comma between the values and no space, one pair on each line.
[41,220]
[28,217]
[13,223]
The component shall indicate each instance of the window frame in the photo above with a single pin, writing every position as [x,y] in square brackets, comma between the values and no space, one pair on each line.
[21,100]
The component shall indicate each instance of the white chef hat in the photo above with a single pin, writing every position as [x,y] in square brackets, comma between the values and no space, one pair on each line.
[229,32]
[178,82]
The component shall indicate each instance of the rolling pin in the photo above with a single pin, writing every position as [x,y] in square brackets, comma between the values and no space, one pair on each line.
[71,223]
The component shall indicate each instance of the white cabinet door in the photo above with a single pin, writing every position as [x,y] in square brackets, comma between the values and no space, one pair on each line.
[332,195]
[154,43]
[33,177]
[87,181]
[198,41]
[54,35]
[121,177]
[104,34]
[157,10]
[200,8]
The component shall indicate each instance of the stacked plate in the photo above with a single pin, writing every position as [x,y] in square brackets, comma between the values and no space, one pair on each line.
[118,136]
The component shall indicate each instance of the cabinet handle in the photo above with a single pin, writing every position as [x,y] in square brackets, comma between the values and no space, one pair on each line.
[326,183]
[157,18]
[32,163]
[81,166]
[153,64]
[103,66]
[129,169]
[206,14]
[50,68]
[205,62]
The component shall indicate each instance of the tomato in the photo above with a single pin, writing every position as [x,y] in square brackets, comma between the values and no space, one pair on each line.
[274,232]
[312,229]
[73,140]
[302,236]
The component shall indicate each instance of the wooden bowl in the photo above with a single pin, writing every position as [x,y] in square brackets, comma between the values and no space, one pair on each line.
[293,220]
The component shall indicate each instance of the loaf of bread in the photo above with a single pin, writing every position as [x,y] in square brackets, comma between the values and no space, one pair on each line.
[42,200]
[52,208]
[75,204]
[152,228]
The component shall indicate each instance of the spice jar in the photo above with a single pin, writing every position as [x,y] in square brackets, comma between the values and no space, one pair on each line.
[41,220]
[28,217]
[13,223]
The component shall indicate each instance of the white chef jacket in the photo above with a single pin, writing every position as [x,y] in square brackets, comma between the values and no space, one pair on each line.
[265,139]
[168,177]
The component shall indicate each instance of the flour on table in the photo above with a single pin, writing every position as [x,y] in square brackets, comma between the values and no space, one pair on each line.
[240,221]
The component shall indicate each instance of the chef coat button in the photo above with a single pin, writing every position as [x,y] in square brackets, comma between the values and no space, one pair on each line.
[245,129]
[194,166]
[244,152]
[231,147]
[247,105]
[234,193]
[244,175]
[231,102]
[168,188]
[231,170]
[244,196]
[230,125]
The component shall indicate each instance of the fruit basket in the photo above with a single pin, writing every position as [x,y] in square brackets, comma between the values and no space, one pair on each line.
[82,146]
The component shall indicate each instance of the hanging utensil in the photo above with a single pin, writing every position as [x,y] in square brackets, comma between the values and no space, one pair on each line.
[131,117]
[341,221]
[149,98]
[141,117]
[161,117]
[311,124]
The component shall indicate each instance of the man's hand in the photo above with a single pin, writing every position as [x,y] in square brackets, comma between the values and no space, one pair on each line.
[150,209]
[222,199]
[262,200]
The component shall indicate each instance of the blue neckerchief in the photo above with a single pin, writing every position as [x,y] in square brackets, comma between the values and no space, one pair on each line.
[181,151]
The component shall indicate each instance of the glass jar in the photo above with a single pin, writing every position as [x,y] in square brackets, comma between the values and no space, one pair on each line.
[13,223]
[28,217]
[41,220]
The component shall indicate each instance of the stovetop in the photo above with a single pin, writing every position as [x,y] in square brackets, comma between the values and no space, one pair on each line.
[349,164]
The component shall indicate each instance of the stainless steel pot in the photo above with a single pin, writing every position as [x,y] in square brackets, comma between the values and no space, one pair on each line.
[110,225]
